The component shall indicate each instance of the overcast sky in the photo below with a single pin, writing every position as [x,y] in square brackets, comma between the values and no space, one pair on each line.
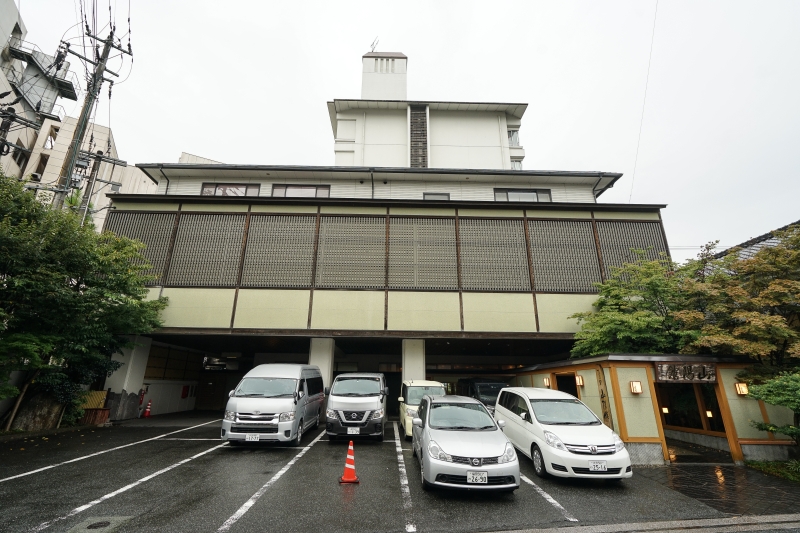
[247,82]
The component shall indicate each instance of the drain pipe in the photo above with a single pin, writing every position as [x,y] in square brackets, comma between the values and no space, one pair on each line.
[372,180]
[161,169]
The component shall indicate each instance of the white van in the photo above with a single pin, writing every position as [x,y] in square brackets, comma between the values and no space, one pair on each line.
[357,406]
[274,403]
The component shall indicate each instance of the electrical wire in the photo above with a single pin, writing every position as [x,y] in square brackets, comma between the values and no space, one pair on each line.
[644,101]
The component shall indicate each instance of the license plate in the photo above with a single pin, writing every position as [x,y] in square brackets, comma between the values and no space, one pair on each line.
[353,431]
[252,437]
[597,466]
[478,477]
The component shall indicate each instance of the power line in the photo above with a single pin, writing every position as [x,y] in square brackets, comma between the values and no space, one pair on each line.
[644,102]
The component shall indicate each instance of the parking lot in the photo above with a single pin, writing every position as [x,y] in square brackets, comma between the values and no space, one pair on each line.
[173,474]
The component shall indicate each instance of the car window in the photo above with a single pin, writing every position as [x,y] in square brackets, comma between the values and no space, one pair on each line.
[404,392]
[415,393]
[507,400]
[487,392]
[460,417]
[566,412]
[266,387]
[356,386]
[521,407]
[422,411]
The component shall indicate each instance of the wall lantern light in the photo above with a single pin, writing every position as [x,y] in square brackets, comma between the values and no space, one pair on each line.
[665,410]
[709,414]
[547,382]
[579,380]
[741,389]
[636,387]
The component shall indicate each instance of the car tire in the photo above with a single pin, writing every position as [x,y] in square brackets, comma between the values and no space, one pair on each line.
[299,436]
[538,462]
[379,438]
[234,443]
[332,438]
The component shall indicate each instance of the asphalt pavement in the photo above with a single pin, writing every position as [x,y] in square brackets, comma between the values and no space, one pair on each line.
[172,473]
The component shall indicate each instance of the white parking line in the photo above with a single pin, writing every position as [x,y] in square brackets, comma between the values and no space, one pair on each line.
[254,498]
[404,490]
[549,498]
[45,525]
[104,451]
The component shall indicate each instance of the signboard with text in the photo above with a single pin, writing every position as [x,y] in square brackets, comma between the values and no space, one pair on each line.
[686,373]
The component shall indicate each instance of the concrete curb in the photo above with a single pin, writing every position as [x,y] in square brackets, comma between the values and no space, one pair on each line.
[12,436]
[712,525]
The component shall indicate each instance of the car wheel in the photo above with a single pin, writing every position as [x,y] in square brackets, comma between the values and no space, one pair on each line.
[332,438]
[379,438]
[234,443]
[538,462]
[299,437]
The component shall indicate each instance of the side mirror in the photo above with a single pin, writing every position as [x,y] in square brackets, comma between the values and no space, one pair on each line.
[327,391]
[230,393]
[417,422]
[401,399]
[523,415]
[385,391]
[300,394]
[501,424]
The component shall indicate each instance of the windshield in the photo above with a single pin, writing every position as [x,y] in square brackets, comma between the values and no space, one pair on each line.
[460,417]
[359,386]
[415,394]
[266,387]
[488,392]
[565,412]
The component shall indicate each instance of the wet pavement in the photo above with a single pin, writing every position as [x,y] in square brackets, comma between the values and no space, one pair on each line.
[681,452]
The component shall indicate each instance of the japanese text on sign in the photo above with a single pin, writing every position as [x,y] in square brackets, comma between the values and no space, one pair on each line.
[686,373]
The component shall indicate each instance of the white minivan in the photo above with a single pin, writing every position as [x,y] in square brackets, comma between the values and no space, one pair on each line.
[561,435]
[276,402]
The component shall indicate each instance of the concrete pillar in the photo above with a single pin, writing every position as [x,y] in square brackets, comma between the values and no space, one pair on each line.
[413,359]
[321,354]
[130,376]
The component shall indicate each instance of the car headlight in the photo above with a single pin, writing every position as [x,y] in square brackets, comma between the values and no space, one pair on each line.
[618,444]
[411,412]
[230,415]
[435,451]
[287,417]
[330,413]
[555,442]
[508,455]
[377,413]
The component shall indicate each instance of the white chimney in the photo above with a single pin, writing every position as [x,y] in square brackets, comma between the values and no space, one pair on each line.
[383,76]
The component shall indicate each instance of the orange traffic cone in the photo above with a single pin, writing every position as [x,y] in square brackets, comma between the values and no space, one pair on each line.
[147,409]
[349,475]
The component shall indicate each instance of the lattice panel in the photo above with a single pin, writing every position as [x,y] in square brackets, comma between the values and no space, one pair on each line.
[352,253]
[617,239]
[153,229]
[493,255]
[422,254]
[564,256]
[280,251]
[207,251]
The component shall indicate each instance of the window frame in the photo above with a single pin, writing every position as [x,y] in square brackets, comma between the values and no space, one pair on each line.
[247,188]
[513,137]
[426,194]
[286,186]
[505,191]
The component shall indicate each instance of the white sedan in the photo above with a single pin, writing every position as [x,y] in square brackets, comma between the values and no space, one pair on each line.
[561,435]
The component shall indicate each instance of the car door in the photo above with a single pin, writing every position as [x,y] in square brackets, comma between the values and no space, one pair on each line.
[403,404]
[416,432]
[512,430]
[525,424]
[305,402]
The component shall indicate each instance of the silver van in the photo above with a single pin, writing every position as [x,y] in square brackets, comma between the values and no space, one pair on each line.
[274,403]
[356,406]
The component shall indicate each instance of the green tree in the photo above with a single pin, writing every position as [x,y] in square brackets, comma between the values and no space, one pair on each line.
[783,390]
[637,311]
[69,297]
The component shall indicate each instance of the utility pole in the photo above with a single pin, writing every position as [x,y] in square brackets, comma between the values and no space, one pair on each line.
[87,195]
[92,92]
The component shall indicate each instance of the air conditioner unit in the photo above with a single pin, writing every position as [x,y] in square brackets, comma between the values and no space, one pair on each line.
[35,176]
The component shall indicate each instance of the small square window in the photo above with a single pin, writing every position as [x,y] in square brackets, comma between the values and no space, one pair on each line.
[513,137]
[516,164]
[441,196]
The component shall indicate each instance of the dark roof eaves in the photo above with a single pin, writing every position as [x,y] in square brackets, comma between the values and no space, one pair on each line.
[755,240]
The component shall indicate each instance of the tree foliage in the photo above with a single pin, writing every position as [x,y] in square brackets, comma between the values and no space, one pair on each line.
[69,296]
[783,390]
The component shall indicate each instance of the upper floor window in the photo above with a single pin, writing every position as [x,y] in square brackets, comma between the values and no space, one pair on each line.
[301,191]
[522,195]
[229,189]
[516,164]
[513,137]
[436,196]
[50,142]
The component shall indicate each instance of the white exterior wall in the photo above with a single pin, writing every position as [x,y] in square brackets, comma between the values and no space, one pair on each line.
[376,138]
[383,85]
[463,139]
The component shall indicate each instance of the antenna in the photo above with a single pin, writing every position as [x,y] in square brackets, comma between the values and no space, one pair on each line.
[374,44]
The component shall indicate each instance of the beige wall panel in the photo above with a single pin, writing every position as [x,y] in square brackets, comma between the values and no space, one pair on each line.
[535,213]
[424,311]
[346,210]
[431,212]
[640,417]
[145,206]
[612,400]
[603,215]
[283,209]
[215,208]
[504,213]
[538,380]
[491,311]
[347,310]
[590,392]
[743,409]
[555,310]
[152,294]
[271,309]
[780,416]
[198,308]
